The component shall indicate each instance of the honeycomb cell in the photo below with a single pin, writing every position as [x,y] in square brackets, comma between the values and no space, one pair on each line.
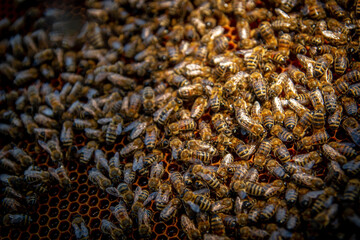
[64,226]
[34,228]
[65,236]
[83,198]
[95,234]
[83,188]
[93,201]
[53,223]
[82,169]
[64,214]
[54,202]
[79,139]
[63,204]
[95,223]
[43,199]
[103,204]
[172,231]
[54,234]
[43,209]
[72,166]
[73,196]
[53,212]
[73,176]
[84,209]
[104,214]
[173,167]
[14,234]
[161,237]
[101,194]
[43,231]
[43,220]
[143,181]
[160,228]
[82,179]
[93,190]
[63,194]
[74,207]
[34,237]
[54,191]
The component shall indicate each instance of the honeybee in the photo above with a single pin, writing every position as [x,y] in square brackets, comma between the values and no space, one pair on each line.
[276,169]
[61,175]
[14,220]
[67,134]
[352,190]
[163,195]
[291,194]
[307,180]
[52,147]
[53,100]
[280,150]
[156,172]
[317,138]
[248,123]
[267,33]
[80,229]
[258,85]
[282,133]
[198,202]
[180,126]
[267,118]
[110,228]
[303,123]
[120,213]
[263,151]
[222,206]
[343,148]
[220,124]
[306,158]
[87,151]
[352,128]
[331,154]
[198,107]
[25,76]
[215,98]
[144,222]
[12,205]
[189,228]
[131,147]
[123,82]
[178,182]
[170,210]
[98,179]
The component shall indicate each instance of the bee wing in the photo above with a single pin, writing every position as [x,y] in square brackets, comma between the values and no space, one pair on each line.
[314,194]
[203,191]
[113,191]
[44,146]
[103,121]
[77,231]
[84,230]
[119,129]
[138,163]
[53,173]
[137,193]
[136,132]
[193,206]
[151,197]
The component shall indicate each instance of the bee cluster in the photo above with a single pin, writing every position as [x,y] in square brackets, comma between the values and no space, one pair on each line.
[225,119]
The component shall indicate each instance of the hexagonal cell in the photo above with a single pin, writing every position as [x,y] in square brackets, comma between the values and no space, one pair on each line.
[54,191]
[79,139]
[34,237]
[65,236]
[43,231]
[53,212]
[73,176]
[34,228]
[93,190]
[83,188]
[143,181]
[104,214]
[53,223]
[43,220]
[53,202]
[104,204]
[63,204]
[14,234]
[101,194]
[64,226]
[172,231]
[83,198]
[73,207]
[42,159]
[95,223]
[95,234]
[93,201]
[64,214]
[73,196]
[43,199]
[82,178]
[54,234]
[160,228]
[63,194]
[94,212]
[84,209]
[43,209]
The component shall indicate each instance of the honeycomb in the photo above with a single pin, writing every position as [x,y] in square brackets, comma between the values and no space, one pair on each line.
[53,215]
